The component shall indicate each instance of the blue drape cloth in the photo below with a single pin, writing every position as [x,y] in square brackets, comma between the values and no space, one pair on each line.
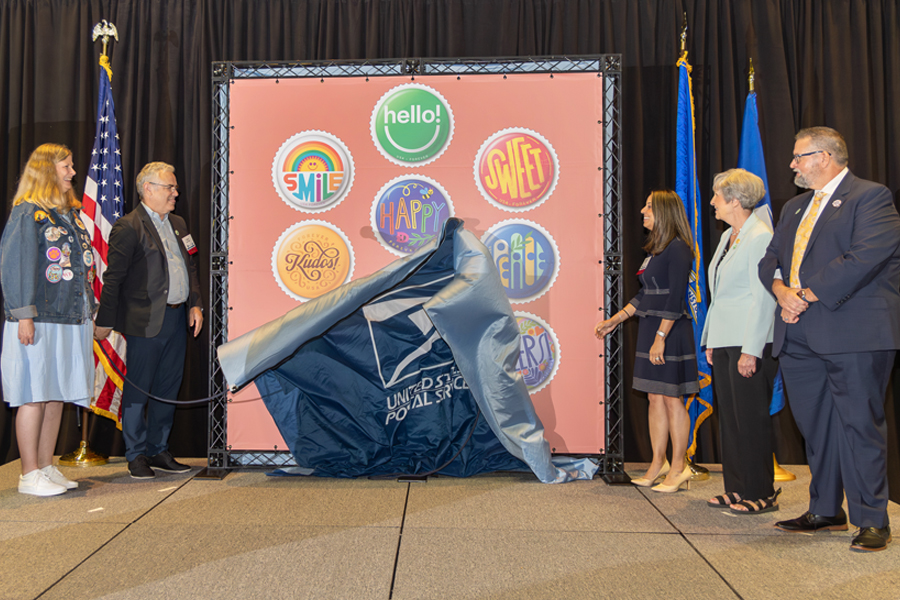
[409,370]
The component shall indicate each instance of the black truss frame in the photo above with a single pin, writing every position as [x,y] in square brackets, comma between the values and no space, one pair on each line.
[222,458]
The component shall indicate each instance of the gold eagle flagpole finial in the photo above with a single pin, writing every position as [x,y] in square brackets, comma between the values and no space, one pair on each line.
[104,30]
[752,74]
[684,29]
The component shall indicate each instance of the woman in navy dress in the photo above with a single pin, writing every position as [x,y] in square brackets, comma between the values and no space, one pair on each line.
[665,364]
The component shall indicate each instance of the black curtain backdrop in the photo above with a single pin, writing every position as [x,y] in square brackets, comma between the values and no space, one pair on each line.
[818,62]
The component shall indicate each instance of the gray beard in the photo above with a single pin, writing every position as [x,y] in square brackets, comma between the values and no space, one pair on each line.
[800,182]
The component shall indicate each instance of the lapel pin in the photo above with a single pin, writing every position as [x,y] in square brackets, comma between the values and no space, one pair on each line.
[836,203]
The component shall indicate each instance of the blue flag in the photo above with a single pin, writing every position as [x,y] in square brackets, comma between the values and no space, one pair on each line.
[699,405]
[411,370]
[750,158]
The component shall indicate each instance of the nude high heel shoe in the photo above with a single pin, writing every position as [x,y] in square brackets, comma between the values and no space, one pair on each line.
[685,478]
[647,482]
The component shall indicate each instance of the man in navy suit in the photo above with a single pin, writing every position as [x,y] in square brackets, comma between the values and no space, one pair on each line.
[834,267]
[151,295]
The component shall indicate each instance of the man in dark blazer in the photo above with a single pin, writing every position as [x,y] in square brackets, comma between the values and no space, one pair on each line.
[151,295]
[836,331]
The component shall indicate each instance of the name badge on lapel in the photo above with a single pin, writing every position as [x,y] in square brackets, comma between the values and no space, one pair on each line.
[189,245]
[644,265]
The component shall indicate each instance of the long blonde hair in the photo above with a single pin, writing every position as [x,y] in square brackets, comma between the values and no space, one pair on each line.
[39,183]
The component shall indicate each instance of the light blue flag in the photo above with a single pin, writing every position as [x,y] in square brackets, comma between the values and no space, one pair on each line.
[750,158]
[699,405]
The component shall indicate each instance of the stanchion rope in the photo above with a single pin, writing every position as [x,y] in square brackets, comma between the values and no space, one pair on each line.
[166,400]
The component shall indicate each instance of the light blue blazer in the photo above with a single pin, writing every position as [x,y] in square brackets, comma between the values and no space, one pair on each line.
[741,311]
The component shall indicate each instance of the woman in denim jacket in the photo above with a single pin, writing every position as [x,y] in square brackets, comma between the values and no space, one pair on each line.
[46,270]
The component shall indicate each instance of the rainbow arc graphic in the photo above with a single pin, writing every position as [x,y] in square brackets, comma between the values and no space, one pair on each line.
[311,157]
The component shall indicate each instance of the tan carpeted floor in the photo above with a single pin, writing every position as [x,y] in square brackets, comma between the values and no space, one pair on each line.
[501,536]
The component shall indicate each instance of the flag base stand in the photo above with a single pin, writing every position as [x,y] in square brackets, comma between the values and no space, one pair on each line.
[83,457]
[782,474]
[698,473]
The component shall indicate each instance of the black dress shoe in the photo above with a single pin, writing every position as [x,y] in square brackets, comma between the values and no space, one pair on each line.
[164,462]
[871,539]
[140,468]
[809,523]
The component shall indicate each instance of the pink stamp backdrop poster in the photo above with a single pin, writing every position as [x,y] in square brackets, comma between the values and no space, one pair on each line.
[358,172]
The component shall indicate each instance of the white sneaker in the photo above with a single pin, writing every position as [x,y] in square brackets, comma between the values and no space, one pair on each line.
[58,478]
[37,483]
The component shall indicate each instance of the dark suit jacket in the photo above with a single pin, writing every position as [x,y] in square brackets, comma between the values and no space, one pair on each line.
[852,264]
[136,280]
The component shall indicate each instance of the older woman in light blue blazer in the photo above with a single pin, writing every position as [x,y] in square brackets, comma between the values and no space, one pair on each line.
[738,340]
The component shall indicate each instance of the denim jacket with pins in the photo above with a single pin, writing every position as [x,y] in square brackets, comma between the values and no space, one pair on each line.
[46,266]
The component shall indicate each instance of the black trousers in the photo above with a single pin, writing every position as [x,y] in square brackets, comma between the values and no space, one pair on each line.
[838,404]
[155,365]
[746,427]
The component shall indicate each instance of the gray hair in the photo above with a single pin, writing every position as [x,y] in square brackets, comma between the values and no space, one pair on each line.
[740,185]
[150,170]
[827,139]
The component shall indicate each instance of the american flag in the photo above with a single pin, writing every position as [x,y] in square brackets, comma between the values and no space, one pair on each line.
[102,206]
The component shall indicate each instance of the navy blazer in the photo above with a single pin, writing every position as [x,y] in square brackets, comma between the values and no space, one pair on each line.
[852,264]
[136,280]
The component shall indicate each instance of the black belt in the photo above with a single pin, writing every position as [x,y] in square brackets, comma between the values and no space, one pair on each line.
[179,305]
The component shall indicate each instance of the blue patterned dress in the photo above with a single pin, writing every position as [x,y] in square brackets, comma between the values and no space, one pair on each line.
[664,280]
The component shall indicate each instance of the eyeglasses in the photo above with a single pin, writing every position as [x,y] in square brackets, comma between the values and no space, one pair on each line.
[170,187]
[797,157]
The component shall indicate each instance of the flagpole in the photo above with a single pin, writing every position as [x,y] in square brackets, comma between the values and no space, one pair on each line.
[84,456]
[751,77]
[688,196]
[781,474]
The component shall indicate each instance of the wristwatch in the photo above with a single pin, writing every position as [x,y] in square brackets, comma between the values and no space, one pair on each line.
[660,334]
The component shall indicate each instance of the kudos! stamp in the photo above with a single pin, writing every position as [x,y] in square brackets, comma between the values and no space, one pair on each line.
[312,258]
